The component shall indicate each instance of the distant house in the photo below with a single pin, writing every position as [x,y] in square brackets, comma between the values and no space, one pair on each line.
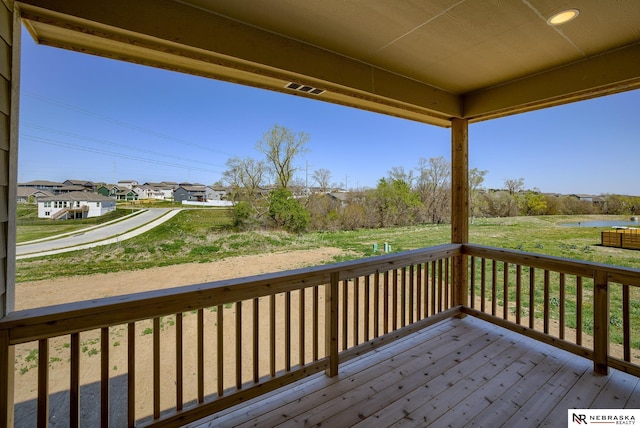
[126,195]
[49,186]
[149,192]
[89,186]
[129,184]
[75,205]
[30,194]
[108,190]
[215,193]
[190,193]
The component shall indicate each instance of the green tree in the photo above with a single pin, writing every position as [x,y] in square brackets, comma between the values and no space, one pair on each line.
[286,212]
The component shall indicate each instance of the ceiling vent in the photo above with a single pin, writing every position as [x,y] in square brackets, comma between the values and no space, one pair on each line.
[304,88]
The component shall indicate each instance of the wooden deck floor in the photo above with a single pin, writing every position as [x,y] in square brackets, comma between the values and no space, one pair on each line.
[460,372]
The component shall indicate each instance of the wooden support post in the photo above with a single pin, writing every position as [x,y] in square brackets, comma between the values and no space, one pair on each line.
[331,324]
[6,386]
[600,322]
[460,205]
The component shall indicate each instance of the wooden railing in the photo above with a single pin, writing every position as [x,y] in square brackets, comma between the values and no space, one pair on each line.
[585,308]
[195,350]
[192,351]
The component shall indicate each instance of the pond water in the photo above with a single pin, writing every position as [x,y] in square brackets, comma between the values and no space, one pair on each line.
[603,223]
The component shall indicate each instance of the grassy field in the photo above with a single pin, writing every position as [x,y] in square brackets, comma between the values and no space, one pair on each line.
[205,235]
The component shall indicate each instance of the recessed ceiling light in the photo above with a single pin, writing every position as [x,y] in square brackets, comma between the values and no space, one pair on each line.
[563,17]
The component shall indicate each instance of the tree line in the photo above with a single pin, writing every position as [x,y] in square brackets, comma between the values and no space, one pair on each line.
[267,194]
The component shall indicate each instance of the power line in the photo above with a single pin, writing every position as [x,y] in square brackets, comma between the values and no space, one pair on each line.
[114,154]
[121,123]
[111,143]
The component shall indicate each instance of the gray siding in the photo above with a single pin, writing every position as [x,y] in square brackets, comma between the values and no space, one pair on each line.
[7,162]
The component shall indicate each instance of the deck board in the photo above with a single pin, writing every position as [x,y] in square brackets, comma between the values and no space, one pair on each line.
[460,372]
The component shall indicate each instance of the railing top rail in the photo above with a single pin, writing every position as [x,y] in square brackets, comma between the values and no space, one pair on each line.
[627,276]
[51,321]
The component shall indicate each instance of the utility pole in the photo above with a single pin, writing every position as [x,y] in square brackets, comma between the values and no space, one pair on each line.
[306,178]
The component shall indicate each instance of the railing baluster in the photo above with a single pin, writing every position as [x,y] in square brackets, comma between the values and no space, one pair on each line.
[562,305]
[104,377]
[532,295]
[272,335]
[385,303]
[301,326]
[287,331]
[434,295]
[579,310]
[43,383]
[74,392]
[518,293]
[131,374]
[426,289]
[403,298]
[483,283]
[376,304]
[472,282]
[448,294]
[345,314]
[200,351]
[256,331]
[505,291]
[626,322]
[440,285]
[367,305]
[411,291]
[179,363]
[419,290]
[239,345]
[394,301]
[356,311]
[545,315]
[494,286]
[220,349]
[316,321]
[156,367]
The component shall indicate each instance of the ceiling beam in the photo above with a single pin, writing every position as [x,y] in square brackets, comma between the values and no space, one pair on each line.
[169,34]
[608,73]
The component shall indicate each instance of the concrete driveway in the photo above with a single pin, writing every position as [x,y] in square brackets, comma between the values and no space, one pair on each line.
[108,233]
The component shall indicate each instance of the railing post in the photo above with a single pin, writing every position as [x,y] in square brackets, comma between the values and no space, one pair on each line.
[331,324]
[6,387]
[600,322]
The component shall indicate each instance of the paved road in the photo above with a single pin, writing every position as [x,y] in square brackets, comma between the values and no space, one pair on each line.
[93,237]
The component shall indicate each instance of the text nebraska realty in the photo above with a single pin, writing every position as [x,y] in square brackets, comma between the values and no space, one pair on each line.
[604,419]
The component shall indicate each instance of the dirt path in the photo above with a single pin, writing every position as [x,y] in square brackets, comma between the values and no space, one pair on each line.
[70,289]
[73,289]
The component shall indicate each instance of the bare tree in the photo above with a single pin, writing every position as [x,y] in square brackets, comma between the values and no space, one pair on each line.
[245,176]
[433,185]
[397,173]
[476,178]
[321,177]
[514,186]
[281,146]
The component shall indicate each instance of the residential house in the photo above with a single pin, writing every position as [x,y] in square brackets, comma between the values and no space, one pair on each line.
[75,205]
[89,186]
[215,193]
[188,192]
[50,186]
[149,192]
[129,184]
[30,194]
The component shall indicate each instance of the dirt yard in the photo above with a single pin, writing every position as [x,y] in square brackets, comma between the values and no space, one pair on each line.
[70,289]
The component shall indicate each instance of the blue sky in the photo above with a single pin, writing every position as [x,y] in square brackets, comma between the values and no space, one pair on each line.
[86,117]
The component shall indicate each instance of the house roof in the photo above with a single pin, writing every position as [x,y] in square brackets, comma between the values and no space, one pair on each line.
[41,183]
[77,196]
[428,61]
[25,192]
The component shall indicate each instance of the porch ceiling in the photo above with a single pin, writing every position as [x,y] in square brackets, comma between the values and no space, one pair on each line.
[423,60]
